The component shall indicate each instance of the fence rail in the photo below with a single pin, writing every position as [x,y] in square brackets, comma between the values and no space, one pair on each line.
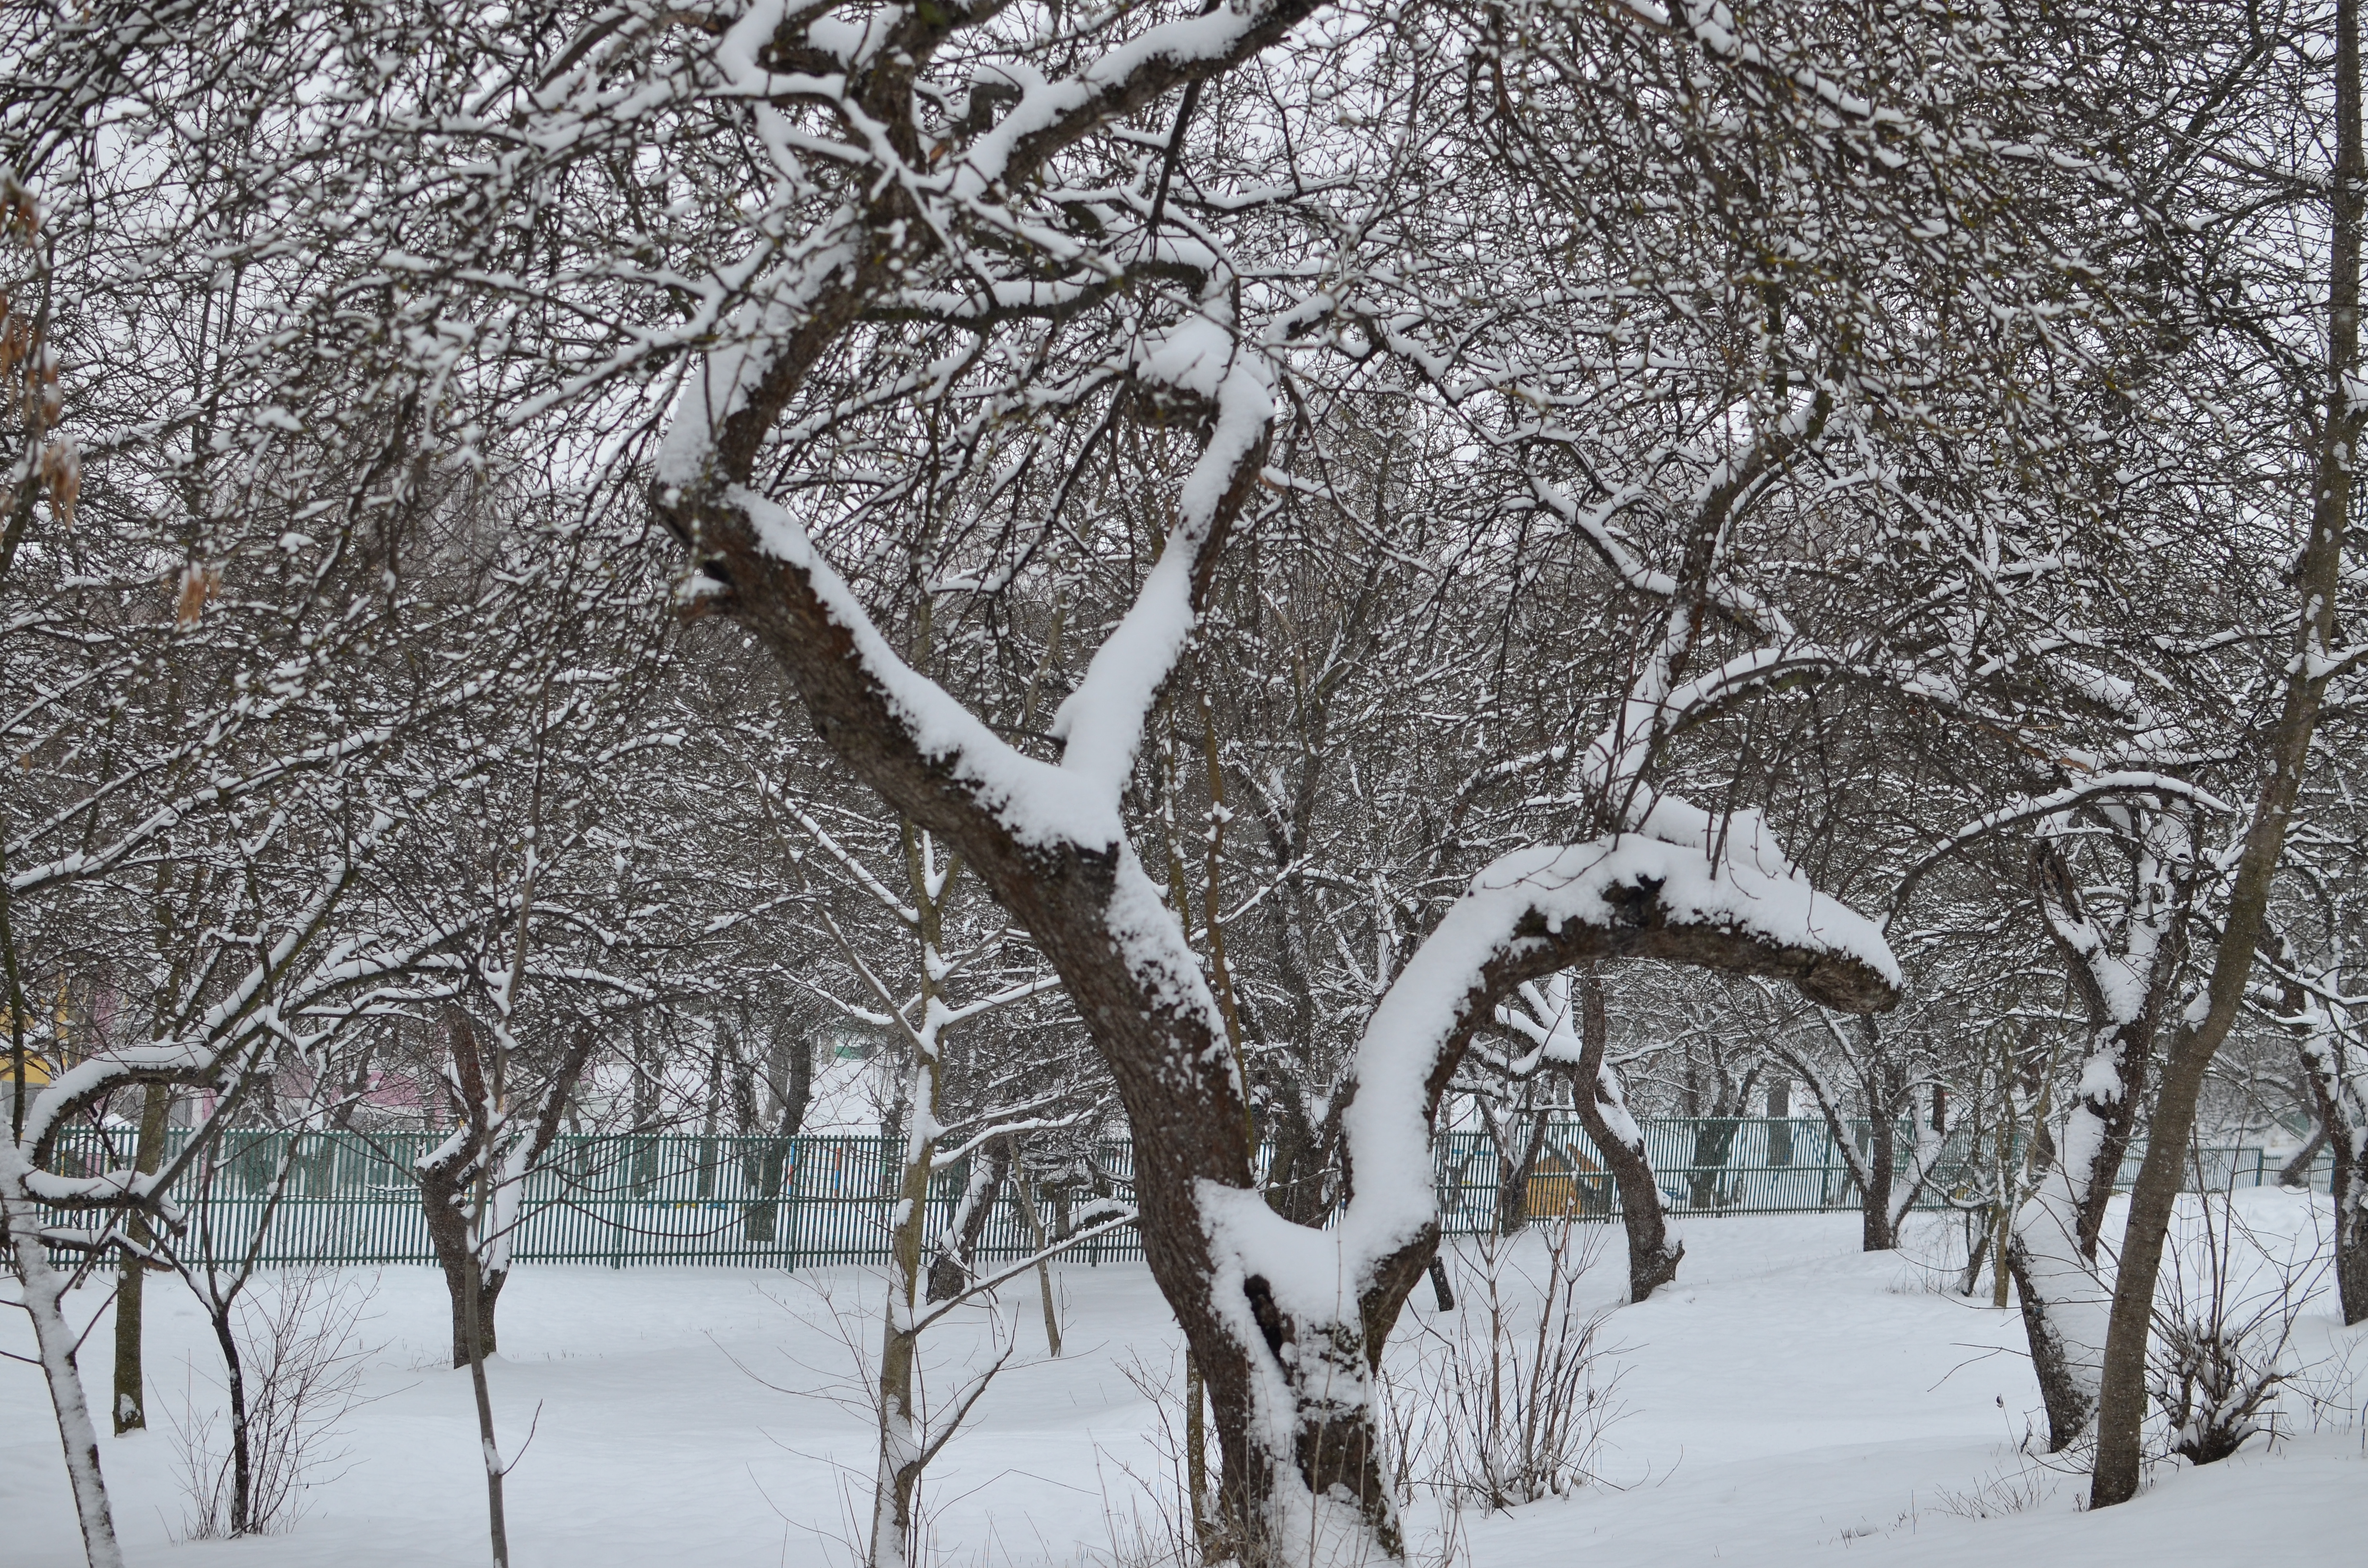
[350,1196]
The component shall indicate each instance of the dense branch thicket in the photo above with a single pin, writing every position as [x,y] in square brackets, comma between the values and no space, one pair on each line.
[1187,568]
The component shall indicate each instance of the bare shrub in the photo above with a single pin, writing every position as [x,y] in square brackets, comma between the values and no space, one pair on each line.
[2326,1394]
[2017,1487]
[1168,1519]
[1508,1400]
[2223,1323]
[2028,1477]
[302,1345]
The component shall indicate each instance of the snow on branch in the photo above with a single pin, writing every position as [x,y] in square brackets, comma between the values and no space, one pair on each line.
[1038,804]
[1102,721]
[764,328]
[1709,25]
[1555,907]
[1051,115]
[2032,808]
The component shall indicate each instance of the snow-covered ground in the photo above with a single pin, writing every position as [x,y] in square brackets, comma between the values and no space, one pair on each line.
[1790,1402]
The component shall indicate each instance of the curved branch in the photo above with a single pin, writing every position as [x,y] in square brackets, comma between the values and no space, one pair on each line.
[1532,913]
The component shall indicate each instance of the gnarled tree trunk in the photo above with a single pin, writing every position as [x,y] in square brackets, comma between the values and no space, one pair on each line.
[954,1263]
[2053,1251]
[1653,1253]
[2338,1090]
[454,1184]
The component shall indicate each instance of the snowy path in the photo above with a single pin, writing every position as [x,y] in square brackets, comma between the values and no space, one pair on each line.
[1793,1401]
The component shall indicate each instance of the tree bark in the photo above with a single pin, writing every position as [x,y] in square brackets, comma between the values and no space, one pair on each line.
[130,1382]
[1515,1166]
[766,1169]
[54,1339]
[2351,1240]
[788,1083]
[242,1464]
[1027,1194]
[953,1267]
[2067,1379]
[1713,1145]
[1779,1125]
[475,1338]
[444,1198]
[2053,1234]
[2347,1144]
[453,1188]
[1652,1258]
[1883,1093]
[2132,1048]
[2295,1172]
[2339,1094]
[2122,1043]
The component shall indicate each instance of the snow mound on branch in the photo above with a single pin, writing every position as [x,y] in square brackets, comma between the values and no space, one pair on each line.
[1763,895]
[1591,884]
[1042,805]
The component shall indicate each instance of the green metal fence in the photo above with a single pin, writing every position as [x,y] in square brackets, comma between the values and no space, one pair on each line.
[1704,1166]
[763,1202]
[785,1202]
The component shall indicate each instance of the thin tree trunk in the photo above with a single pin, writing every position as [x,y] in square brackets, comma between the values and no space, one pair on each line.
[710,1123]
[766,1169]
[242,1466]
[131,1385]
[2336,1086]
[2351,1228]
[790,1071]
[2296,1170]
[1441,1292]
[953,1267]
[1044,1270]
[903,1452]
[1779,1125]
[2117,1119]
[53,1340]
[477,1344]
[1651,1256]
[2120,1414]
[900,1437]
[1514,1171]
[1876,1233]
[131,1380]
[1713,1143]
[2010,1185]
[2338,1098]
